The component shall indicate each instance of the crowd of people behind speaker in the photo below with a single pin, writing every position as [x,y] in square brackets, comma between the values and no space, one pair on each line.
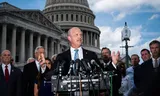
[133,81]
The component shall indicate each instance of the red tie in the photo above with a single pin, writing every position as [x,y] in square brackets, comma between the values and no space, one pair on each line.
[6,73]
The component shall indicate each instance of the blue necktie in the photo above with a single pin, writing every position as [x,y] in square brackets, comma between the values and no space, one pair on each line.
[76,56]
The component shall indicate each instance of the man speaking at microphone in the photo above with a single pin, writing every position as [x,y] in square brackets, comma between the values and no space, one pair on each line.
[76,51]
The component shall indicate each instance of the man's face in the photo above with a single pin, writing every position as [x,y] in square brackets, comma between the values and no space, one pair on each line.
[135,60]
[6,57]
[145,55]
[106,54]
[155,50]
[75,37]
[39,52]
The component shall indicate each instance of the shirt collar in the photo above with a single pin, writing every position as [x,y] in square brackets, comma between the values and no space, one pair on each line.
[79,49]
[3,65]
[157,59]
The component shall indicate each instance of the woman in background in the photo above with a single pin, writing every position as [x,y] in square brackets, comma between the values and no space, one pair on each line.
[42,87]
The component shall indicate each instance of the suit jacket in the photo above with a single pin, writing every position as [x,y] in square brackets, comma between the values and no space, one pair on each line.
[30,72]
[144,76]
[14,85]
[66,56]
[116,81]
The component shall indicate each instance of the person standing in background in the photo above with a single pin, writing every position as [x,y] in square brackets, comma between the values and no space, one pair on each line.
[10,76]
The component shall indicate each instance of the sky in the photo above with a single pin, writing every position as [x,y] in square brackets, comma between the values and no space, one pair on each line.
[142,17]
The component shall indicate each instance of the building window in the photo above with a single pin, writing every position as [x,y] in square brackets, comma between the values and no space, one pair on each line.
[71,17]
[61,17]
[57,17]
[66,17]
[76,17]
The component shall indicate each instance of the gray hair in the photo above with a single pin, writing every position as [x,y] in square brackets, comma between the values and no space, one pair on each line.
[31,58]
[55,55]
[37,48]
[4,51]
[70,30]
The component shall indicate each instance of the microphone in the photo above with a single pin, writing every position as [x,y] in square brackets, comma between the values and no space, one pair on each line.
[86,65]
[93,62]
[61,67]
[71,66]
[77,66]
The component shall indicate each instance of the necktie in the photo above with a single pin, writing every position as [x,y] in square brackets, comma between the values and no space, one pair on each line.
[156,63]
[6,73]
[76,56]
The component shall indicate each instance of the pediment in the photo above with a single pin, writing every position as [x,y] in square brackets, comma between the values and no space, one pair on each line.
[35,16]
[7,6]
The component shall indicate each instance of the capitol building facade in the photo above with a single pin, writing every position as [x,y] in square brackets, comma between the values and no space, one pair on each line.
[22,30]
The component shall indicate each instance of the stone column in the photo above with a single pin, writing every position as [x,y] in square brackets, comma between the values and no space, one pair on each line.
[55,18]
[69,17]
[39,40]
[94,39]
[22,50]
[52,48]
[91,39]
[98,41]
[79,17]
[31,44]
[64,17]
[46,46]
[87,34]
[13,50]
[58,46]
[4,37]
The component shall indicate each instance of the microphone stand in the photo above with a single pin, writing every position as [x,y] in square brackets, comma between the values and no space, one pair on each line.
[58,77]
[70,74]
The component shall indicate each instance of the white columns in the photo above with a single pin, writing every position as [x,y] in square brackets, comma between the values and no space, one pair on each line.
[91,39]
[13,50]
[46,46]
[58,46]
[38,40]
[87,34]
[31,44]
[4,36]
[22,48]
[52,47]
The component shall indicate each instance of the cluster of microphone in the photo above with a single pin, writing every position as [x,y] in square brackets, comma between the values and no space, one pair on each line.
[82,65]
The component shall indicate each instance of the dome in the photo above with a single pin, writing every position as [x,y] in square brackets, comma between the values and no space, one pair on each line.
[55,2]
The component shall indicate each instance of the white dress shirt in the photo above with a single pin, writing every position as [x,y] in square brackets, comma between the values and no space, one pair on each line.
[158,61]
[80,53]
[38,67]
[9,68]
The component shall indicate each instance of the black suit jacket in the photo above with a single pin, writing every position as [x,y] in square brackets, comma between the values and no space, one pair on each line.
[30,72]
[14,85]
[144,77]
[116,81]
[66,56]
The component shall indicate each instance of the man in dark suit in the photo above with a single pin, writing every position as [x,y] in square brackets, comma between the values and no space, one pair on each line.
[31,70]
[108,65]
[75,39]
[146,75]
[10,77]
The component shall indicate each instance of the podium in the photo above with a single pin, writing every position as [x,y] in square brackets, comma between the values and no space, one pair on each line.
[77,84]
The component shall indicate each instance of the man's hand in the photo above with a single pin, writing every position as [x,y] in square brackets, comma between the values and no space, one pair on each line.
[41,59]
[115,57]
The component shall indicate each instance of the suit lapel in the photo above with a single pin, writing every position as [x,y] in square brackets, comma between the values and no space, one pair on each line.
[85,53]
[1,73]
[68,53]
[11,73]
